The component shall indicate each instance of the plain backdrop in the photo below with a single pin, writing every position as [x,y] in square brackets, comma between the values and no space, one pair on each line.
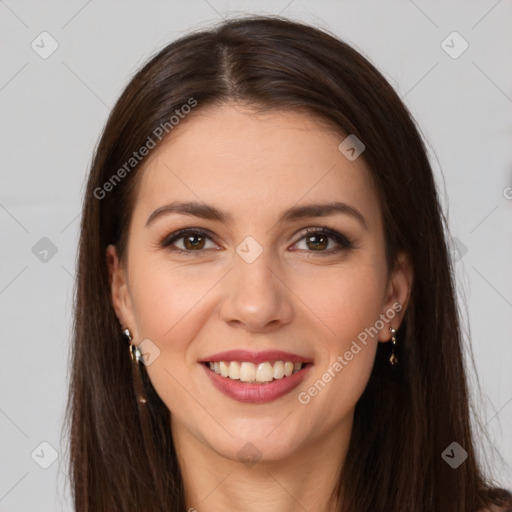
[52,113]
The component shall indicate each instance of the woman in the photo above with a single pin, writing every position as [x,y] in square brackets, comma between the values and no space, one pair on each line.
[265,309]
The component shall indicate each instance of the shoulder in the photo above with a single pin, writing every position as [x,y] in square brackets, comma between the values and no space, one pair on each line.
[500,495]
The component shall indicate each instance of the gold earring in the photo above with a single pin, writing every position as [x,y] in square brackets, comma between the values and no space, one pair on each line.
[392,358]
[135,353]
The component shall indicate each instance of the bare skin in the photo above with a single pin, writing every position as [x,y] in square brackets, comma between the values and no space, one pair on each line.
[309,296]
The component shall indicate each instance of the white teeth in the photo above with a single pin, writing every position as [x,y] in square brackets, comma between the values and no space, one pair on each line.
[249,372]
[224,369]
[234,370]
[278,370]
[264,372]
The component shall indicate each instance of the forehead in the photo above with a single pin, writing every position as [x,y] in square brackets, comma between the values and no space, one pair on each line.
[247,162]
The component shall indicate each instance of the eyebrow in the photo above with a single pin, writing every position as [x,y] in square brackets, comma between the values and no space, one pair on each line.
[205,211]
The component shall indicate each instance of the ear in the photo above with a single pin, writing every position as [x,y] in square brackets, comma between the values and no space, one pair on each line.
[120,292]
[397,295]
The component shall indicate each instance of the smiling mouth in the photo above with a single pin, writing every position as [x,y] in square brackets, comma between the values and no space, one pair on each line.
[260,373]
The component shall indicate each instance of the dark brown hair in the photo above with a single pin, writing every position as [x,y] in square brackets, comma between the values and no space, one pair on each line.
[122,456]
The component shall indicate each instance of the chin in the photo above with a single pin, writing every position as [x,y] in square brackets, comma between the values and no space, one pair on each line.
[265,440]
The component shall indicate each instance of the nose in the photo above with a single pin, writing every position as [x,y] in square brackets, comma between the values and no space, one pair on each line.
[256,296]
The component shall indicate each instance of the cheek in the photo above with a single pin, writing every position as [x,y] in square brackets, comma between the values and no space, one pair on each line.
[171,309]
[346,307]
[343,301]
[167,302]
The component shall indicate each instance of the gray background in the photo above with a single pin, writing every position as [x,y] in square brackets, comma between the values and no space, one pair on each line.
[54,109]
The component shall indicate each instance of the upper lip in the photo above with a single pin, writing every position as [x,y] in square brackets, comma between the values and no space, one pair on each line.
[256,357]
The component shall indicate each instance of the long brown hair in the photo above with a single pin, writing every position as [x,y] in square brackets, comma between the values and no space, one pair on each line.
[122,456]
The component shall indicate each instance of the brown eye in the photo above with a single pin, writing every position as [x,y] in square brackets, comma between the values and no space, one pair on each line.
[188,241]
[317,242]
[319,239]
[193,242]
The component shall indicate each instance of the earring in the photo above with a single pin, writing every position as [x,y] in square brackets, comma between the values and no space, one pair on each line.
[136,356]
[135,353]
[392,358]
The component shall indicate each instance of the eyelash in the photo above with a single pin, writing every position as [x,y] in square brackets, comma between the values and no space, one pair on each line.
[326,232]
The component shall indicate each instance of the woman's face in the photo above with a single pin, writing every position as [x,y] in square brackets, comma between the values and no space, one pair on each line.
[259,279]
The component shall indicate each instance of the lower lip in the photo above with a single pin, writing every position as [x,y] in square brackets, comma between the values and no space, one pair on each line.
[256,393]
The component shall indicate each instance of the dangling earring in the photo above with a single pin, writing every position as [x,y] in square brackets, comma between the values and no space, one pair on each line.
[135,353]
[136,356]
[392,358]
